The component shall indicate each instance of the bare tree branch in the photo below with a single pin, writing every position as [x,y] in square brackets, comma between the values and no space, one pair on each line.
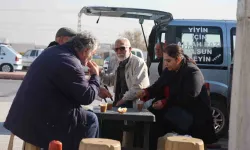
[136,39]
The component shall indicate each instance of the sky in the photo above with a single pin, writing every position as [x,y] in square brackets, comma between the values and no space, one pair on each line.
[36,21]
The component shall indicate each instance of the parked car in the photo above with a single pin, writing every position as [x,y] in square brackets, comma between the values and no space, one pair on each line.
[137,52]
[106,63]
[134,51]
[10,60]
[209,42]
[233,38]
[29,56]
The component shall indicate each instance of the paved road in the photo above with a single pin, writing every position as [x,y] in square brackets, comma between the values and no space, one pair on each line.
[8,89]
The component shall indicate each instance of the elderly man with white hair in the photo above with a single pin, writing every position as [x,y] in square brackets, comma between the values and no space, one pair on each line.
[130,76]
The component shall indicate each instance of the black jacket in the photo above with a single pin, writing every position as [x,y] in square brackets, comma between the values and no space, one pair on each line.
[53,43]
[160,66]
[48,103]
[187,90]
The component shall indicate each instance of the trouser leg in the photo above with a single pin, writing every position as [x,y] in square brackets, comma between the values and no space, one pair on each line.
[92,130]
[89,129]
[157,128]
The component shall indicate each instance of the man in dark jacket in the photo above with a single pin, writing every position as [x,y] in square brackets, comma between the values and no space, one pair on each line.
[48,103]
[159,56]
[63,35]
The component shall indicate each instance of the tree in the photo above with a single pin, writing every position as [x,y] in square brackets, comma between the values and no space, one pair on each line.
[136,39]
[239,133]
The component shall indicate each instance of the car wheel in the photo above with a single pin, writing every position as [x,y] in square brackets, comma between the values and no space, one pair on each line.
[6,68]
[220,117]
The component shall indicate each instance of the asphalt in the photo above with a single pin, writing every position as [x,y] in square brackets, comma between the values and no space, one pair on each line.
[8,89]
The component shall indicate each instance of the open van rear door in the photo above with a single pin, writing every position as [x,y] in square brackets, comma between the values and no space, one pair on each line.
[135,13]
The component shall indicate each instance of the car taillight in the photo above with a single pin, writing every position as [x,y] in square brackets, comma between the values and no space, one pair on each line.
[208,88]
[16,59]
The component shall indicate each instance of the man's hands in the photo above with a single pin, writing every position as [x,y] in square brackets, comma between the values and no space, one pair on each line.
[93,68]
[120,102]
[103,93]
[139,94]
[158,105]
[101,70]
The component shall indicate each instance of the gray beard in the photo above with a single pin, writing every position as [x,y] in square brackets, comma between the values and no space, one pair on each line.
[123,58]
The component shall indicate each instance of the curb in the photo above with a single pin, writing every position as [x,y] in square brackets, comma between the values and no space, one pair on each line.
[12,75]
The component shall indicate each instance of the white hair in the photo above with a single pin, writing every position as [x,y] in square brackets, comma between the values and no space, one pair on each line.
[123,39]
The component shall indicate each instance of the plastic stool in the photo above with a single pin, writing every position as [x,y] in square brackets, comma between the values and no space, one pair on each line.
[26,146]
[179,143]
[99,144]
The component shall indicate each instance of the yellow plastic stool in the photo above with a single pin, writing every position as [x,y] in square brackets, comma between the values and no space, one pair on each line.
[26,146]
[99,144]
[179,143]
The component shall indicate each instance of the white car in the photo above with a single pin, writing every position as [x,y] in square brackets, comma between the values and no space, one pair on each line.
[112,59]
[137,52]
[30,55]
[106,63]
[10,60]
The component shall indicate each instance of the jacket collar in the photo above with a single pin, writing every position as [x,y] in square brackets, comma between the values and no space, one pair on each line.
[129,60]
[70,48]
[128,63]
[124,62]
[52,44]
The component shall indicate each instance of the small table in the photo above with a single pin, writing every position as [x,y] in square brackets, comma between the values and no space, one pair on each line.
[131,115]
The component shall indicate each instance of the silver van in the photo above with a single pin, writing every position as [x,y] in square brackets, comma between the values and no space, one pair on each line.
[209,42]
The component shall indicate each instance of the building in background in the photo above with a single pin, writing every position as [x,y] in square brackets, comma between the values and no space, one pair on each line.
[23,47]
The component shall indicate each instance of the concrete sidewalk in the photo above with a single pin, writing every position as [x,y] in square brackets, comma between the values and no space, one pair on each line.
[5,134]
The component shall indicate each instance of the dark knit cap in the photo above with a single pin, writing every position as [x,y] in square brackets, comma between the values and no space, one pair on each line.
[65,32]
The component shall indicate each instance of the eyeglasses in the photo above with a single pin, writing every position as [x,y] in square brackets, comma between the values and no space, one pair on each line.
[122,48]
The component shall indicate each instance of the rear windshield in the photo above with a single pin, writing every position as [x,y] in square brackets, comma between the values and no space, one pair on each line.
[7,47]
[139,54]
[203,44]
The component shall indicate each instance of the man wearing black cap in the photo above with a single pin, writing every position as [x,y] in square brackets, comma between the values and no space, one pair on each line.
[62,36]
[58,87]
